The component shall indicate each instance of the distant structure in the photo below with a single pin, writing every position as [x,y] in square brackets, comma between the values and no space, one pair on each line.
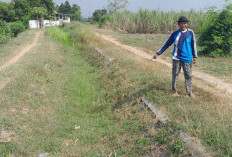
[42,23]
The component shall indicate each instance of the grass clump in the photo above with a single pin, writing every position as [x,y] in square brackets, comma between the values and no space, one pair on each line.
[178,147]
[81,34]
[60,35]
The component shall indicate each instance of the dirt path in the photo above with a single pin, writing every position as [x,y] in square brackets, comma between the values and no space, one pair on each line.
[22,52]
[217,83]
[17,57]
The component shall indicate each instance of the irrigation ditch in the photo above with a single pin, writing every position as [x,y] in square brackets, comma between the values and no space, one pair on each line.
[193,144]
[190,142]
[106,58]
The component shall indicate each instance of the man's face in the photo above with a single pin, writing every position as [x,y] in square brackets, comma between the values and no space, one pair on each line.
[183,26]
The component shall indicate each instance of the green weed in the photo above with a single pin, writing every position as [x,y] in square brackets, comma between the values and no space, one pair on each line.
[60,35]
[177,147]
[143,141]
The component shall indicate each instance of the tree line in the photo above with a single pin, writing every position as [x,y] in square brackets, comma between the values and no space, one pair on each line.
[15,15]
[74,11]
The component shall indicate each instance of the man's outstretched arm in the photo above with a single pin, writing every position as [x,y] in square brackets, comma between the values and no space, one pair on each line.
[168,43]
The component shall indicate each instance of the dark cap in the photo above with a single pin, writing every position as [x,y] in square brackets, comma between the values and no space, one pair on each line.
[182,19]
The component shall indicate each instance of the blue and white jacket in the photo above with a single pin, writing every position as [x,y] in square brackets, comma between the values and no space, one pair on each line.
[184,46]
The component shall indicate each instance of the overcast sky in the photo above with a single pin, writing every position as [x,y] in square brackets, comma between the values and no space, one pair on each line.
[89,6]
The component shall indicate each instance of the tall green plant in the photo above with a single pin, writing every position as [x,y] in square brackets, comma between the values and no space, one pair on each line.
[216,39]
[5,32]
[17,27]
[39,12]
[76,12]
[103,19]
[48,4]
[98,14]
[65,8]
[7,12]
[22,8]
[146,21]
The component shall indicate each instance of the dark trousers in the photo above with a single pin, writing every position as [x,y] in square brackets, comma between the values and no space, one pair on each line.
[187,68]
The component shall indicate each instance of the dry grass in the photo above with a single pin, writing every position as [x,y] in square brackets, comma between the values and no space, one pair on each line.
[206,118]
[24,100]
[53,91]
[57,89]
[11,48]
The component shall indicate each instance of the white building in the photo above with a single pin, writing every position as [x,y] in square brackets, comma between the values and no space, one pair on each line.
[42,23]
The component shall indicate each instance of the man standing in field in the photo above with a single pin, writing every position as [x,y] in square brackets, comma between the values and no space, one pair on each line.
[184,54]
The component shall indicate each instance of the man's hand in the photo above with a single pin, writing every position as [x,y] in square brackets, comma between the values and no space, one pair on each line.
[194,60]
[155,56]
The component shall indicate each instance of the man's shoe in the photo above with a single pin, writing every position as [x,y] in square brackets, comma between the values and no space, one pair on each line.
[191,95]
[175,94]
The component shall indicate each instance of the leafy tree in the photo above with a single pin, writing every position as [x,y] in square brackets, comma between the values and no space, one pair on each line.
[48,4]
[103,19]
[98,14]
[75,12]
[17,27]
[65,8]
[76,16]
[61,8]
[7,12]
[34,3]
[40,12]
[57,7]
[216,39]
[5,32]
[22,8]
[25,20]
[116,5]
[75,8]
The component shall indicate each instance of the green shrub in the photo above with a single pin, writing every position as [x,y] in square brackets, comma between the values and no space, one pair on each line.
[5,32]
[103,19]
[7,12]
[98,14]
[25,20]
[212,14]
[216,39]
[143,141]
[61,36]
[178,147]
[17,27]
[71,26]
[71,33]
[82,34]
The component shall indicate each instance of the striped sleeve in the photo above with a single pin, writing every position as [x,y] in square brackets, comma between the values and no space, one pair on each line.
[167,44]
[194,46]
